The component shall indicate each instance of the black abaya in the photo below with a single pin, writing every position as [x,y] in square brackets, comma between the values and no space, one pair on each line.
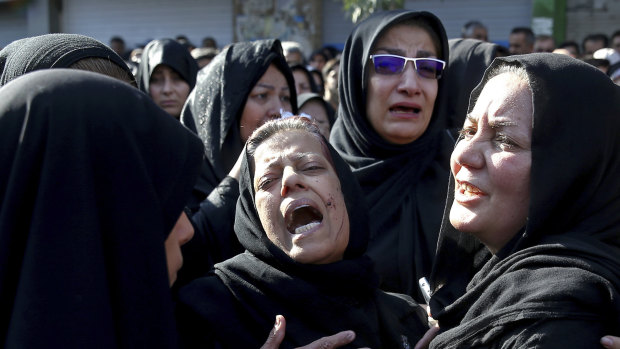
[404,185]
[556,284]
[94,176]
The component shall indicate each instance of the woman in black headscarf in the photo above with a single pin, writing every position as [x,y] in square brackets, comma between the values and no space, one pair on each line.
[302,222]
[89,193]
[535,179]
[167,73]
[244,86]
[391,131]
[61,51]
[321,112]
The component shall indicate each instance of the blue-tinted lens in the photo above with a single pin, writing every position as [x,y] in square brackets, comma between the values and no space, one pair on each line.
[429,68]
[388,64]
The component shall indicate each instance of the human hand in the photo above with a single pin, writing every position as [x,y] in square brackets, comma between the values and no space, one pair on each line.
[424,342]
[336,341]
[610,342]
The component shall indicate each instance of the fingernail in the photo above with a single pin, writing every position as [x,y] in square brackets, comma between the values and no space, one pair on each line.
[278,322]
[350,335]
[607,342]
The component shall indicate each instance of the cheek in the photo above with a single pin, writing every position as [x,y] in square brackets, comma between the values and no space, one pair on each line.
[512,175]
[268,213]
[252,112]
[183,90]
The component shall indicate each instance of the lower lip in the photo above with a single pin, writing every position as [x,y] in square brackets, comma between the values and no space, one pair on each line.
[467,199]
[297,237]
[169,104]
[407,116]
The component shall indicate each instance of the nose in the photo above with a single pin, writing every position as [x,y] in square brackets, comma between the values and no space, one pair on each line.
[291,181]
[468,153]
[167,88]
[186,233]
[409,83]
[275,106]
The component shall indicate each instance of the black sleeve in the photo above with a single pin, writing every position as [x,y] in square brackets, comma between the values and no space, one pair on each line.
[214,236]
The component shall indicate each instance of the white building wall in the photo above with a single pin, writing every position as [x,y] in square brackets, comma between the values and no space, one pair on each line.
[140,20]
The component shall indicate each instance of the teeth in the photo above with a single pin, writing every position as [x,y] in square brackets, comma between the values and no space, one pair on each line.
[306,228]
[469,189]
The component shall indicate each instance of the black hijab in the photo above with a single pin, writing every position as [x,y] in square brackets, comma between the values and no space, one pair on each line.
[316,300]
[302,68]
[405,185]
[469,58]
[213,109]
[565,264]
[170,53]
[89,191]
[52,51]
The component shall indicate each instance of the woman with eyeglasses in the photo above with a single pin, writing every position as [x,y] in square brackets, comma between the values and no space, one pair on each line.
[391,131]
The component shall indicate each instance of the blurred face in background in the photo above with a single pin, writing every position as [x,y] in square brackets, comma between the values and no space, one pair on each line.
[168,90]
[270,94]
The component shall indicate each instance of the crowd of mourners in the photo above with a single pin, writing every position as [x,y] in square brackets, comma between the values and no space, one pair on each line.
[408,191]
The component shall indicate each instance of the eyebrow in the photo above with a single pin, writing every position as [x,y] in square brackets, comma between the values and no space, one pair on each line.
[492,124]
[296,157]
[397,51]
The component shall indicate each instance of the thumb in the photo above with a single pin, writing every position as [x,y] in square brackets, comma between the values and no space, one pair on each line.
[276,335]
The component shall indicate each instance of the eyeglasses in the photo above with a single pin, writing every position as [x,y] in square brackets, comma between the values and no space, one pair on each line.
[430,68]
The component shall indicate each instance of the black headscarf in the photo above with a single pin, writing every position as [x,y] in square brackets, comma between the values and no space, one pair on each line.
[52,51]
[316,300]
[89,191]
[170,53]
[213,109]
[469,58]
[405,185]
[302,68]
[561,274]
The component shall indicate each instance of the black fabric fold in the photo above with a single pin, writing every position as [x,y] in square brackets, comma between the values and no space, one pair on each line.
[558,284]
[52,51]
[89,191]
[404,185]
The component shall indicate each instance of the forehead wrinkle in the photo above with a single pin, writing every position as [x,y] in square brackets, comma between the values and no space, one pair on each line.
[265,85]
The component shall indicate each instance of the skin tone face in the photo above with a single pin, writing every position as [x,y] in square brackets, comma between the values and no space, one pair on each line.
[491,164]
[517,44]
[615,43]
[544,45]
[302,85]
[318,62]
[168,90]
[399,107]
[299,198]
[591,46]
[181,233]
[270,94]
[315,109]
[479,33]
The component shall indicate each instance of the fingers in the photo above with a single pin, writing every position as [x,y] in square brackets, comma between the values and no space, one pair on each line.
[427,338]
[331,342]
[276,335]
[610,342]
